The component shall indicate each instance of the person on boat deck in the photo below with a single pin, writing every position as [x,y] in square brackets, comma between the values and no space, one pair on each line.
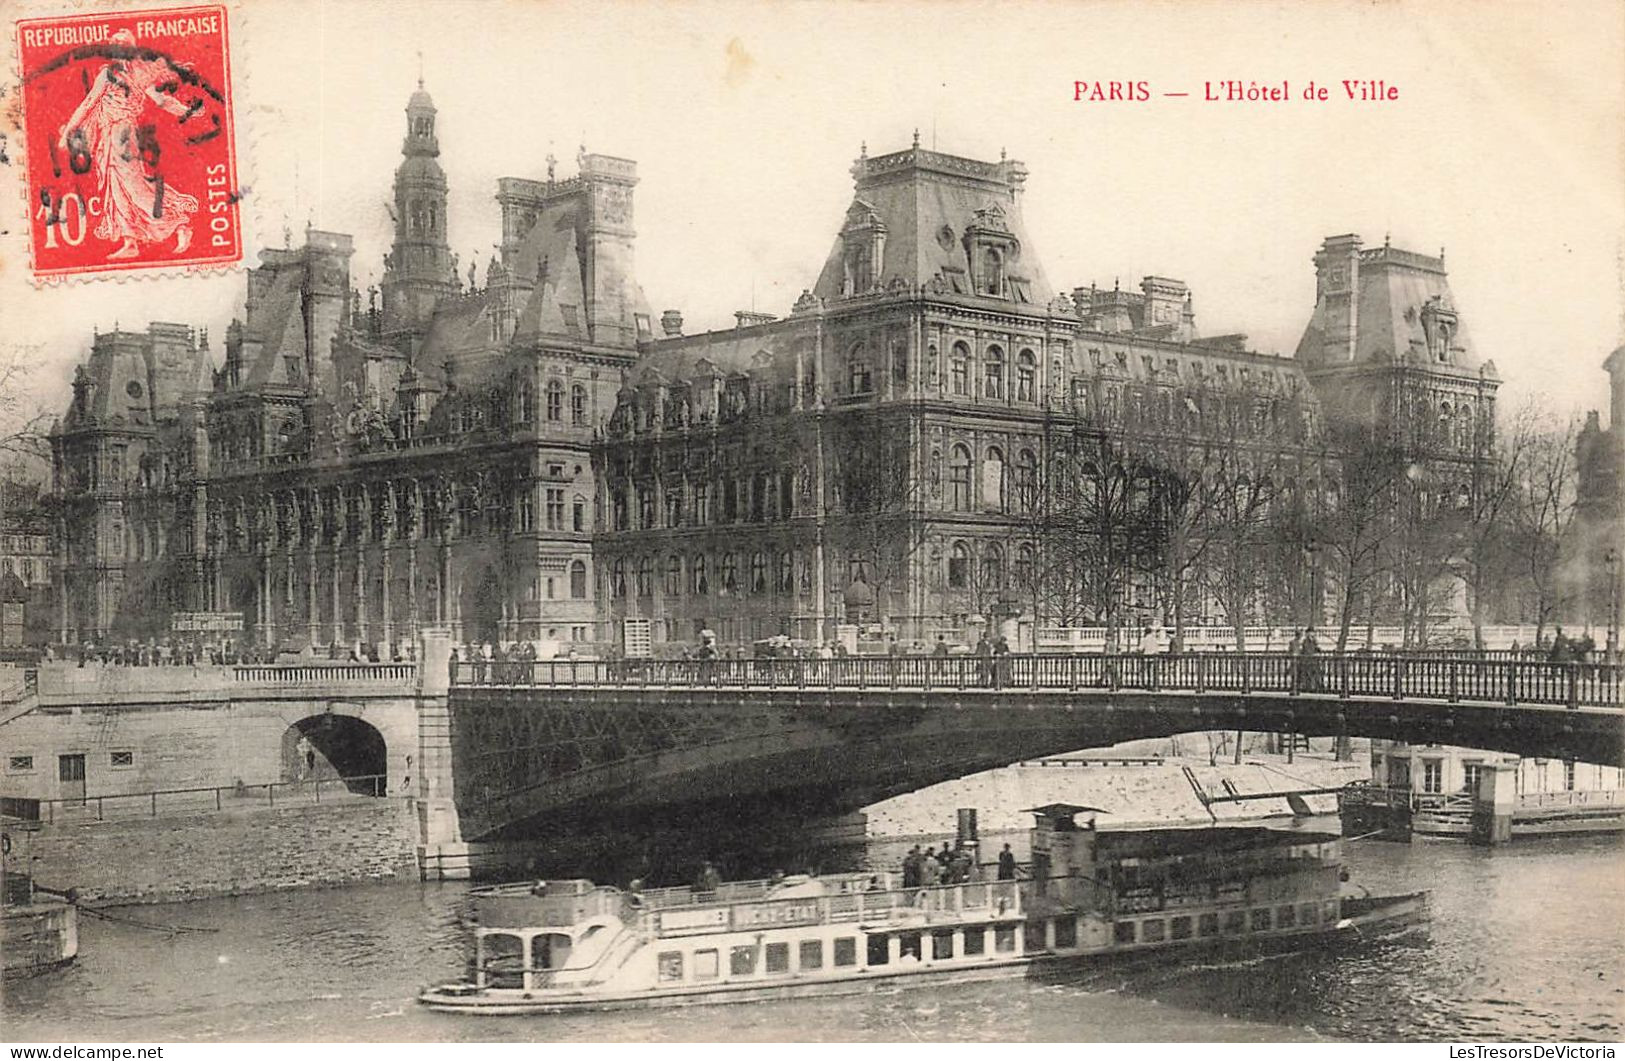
[709,880]
[911,867]
[1007,864]
[930,871]
[634,893]
[874,884]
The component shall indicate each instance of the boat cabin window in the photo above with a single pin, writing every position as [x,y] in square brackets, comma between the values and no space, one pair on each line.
[975,941]
[846,950]
[742,960]
[1307,912]
[551,950]
[1123,932]
[1153,930]
[705,965]
[1066,932]
[1261,920]
[671,966]
[1329,911]
[1235,921]
[778,958]
[942,944]
[504,960]
[1034,933]
[910,945]
[812,954]
[1004,939]
[879,949]
[1180,928]
[1286,916]
[1208,924]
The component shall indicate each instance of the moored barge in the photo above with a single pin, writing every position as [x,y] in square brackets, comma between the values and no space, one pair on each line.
[1091,896]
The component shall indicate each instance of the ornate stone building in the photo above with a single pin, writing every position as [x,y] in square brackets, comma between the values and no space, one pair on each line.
[352,472]
[901,446]
[931,438]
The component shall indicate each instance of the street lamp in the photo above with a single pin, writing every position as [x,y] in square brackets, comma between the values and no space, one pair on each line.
[1610,562]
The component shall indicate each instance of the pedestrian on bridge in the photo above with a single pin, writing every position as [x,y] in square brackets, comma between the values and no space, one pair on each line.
[1309,663]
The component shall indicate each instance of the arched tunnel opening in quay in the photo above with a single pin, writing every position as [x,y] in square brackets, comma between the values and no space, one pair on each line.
[330,747]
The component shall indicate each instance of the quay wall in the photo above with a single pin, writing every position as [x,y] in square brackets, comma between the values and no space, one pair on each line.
[1144,795]
[345,841]
[148,729]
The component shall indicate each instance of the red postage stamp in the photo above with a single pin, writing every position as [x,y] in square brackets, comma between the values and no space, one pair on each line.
[127,119]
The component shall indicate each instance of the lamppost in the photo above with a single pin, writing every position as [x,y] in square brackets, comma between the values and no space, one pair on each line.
[1311,550]
[1610,562]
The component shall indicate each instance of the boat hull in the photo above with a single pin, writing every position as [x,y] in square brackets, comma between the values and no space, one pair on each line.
[1363,918]
[38,937]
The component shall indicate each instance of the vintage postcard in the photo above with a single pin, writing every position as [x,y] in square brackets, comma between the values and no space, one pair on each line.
[908,523]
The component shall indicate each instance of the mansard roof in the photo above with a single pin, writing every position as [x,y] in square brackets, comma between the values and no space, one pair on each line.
[1400,295]
[925,201]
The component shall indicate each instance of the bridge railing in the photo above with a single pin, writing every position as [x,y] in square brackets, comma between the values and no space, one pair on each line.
[1359,674]
[167,802]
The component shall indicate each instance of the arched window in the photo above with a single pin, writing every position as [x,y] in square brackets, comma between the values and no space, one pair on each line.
[857,364]
[617,579]
[959,478]
[993,381]
[959,369]
[958,566]
[899,362]
[578,513]
[730,573]
[578,405]
[697,579]
[992,567]
[646,576]
[993,272]
[786,572]
[527,401]
[993,479]
[578,580]
[1026,376]
[1026,476]
[555,400]
[758,572]
[859,269]
[1025,565]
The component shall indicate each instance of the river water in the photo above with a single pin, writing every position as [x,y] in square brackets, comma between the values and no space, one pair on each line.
[1527,942]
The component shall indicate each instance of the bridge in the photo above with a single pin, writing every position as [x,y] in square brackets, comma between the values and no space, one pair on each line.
[536,739]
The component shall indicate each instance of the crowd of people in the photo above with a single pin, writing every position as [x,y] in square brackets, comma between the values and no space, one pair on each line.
[190,652]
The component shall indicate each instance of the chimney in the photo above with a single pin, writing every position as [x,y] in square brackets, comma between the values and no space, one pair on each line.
[671,322]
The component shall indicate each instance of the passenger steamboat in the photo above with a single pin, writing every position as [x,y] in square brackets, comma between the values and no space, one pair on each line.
[1091,896]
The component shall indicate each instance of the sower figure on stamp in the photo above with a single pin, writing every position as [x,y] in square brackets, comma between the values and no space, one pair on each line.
[137,207]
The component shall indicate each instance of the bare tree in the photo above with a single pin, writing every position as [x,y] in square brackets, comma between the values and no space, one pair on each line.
[1089,520]
[879,495]
[1356,513]
[1544,509]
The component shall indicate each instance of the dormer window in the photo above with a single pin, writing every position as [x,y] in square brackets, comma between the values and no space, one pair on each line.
[863,240]
[991,277]
[991,249]
[1439,328]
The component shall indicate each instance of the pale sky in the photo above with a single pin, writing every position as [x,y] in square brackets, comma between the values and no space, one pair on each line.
[1504,147]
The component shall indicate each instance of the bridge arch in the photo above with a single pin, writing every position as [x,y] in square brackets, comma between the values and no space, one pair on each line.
[333,745]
